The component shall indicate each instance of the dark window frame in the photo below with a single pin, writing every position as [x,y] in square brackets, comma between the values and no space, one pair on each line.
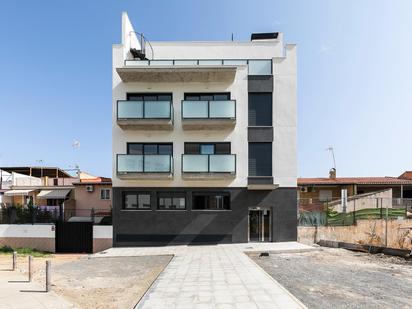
[269,94]
[208,143]
[199,94]
[137,193]
[270,161]
[143,144]
[144,94]
[212,194]
[171,195]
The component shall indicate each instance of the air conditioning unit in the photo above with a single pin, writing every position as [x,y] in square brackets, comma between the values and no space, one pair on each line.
[304,189]
[89,188]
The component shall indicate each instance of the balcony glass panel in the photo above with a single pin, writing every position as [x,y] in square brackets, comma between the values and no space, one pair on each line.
[222,109]
[234,62]
[130,163]
[137,62]
[130,109]
[210,62]
[185,62]
[157,163]
[161,62]
[157,109]
[195,163]
[260,67]
[222,163]
[195,109]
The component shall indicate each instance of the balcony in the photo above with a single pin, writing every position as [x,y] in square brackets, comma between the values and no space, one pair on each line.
[212,166]
[216,70]
[144,166]
[145,115]
[208,115]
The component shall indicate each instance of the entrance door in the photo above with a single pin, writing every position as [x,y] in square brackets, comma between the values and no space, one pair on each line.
[259,225]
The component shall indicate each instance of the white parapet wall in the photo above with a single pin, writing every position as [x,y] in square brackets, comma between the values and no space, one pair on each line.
[38,236]
[102,231]
[102,237]
[27,230]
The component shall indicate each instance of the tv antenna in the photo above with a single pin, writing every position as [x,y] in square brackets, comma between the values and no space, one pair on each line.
[330,149]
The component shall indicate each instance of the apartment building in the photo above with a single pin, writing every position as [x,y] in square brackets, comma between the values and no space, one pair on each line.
[204,140]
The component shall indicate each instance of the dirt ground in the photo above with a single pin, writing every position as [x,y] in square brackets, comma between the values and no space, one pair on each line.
[112,282]
[337,278]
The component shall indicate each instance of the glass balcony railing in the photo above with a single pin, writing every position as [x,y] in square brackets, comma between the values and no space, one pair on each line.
[144,164]
[212,163]
[130,110]
[255,66]
[209,109]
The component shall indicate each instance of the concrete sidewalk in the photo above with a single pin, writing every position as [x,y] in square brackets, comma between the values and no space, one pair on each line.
[219,276]
[17,293]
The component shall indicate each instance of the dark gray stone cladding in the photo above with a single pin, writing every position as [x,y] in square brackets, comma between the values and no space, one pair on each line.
[260,83]
[163,227]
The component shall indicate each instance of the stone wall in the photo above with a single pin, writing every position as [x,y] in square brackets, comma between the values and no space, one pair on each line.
[365,232]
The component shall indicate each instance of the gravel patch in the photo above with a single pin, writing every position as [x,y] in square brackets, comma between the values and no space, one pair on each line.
[103,282]
[337,278]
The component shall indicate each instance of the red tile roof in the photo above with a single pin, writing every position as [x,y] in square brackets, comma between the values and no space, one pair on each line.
[406,175]
[355,181]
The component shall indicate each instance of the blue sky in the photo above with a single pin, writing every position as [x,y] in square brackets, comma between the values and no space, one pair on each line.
[353,75]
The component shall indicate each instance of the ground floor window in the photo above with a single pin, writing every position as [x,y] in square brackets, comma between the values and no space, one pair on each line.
[211,201]
[136,200]
[54,202]
[171,201]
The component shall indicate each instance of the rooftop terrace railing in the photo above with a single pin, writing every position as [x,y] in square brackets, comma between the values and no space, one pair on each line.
[255,66]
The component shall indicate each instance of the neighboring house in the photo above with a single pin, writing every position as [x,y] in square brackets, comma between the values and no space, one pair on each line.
[204,140]
[48,187]
[93,194]
[331,188]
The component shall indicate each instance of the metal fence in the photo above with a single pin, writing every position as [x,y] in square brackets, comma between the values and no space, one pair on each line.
[342,212]
[39,215]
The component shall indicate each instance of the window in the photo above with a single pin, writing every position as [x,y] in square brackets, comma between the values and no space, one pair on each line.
[149,149]
[207,96]
[260,159]
[207,148]
[105,194]
[260,109]
[136,200]
[149,97]
[211,201]
[325,195]
[171,201]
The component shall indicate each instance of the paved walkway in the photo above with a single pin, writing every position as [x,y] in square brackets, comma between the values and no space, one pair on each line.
[17,293]
[220,276]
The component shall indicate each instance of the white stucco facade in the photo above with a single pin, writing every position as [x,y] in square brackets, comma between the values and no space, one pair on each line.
[284,164]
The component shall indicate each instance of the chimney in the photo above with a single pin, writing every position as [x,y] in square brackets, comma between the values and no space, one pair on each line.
[332,173]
